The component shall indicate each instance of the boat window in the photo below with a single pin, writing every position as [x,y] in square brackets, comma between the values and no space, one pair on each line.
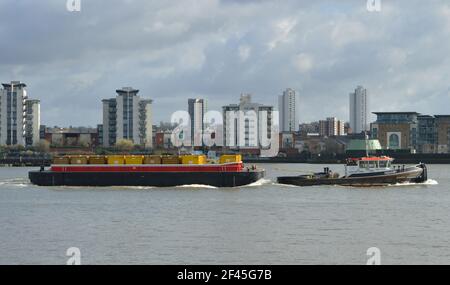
[372,164]
[389,164]
[383,163]
[363,164]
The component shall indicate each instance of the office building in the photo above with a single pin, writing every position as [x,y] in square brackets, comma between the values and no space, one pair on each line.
[396,130]
[412,131]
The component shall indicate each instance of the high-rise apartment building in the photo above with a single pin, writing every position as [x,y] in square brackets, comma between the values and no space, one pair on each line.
[246,123]
[197,109]
[331,127]
[127,116]
[359,110]
[289,108]
[19,116]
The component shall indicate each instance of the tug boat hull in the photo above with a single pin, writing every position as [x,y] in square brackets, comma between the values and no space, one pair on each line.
[415,174]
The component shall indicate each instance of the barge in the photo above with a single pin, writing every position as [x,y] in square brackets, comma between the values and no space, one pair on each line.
[133,171]
[363,171]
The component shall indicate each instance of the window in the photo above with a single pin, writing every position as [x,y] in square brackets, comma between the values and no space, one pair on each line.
[394,141]
[363,164]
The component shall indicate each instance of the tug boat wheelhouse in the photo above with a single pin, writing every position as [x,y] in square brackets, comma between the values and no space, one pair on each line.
[165,171]
[363,171]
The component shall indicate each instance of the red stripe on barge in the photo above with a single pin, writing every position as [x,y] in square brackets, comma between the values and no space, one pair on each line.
[229,167]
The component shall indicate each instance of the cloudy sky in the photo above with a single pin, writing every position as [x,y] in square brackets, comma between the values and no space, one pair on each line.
[217,49]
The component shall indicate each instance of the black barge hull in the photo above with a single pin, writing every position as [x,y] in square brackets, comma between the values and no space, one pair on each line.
[157,179]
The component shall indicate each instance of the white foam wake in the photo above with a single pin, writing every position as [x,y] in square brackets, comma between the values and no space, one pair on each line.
[260,182]
[17,182]
[196,186]
[428,182]
[431,182]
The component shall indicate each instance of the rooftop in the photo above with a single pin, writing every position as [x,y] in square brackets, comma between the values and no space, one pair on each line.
[71,130]
[15,83]
[396,113]
[127,90]
[361,145]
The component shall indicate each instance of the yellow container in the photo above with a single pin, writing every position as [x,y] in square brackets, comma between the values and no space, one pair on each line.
[61,160]
[170,159]
[193,159]
[152,159]
[80,159]
[115,159]
[229,158]
[97,159]
[134,159]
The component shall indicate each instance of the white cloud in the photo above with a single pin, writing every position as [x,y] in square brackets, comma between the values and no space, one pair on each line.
[303,62]
[171,50]
[282,30]
[244,52]
[347,32]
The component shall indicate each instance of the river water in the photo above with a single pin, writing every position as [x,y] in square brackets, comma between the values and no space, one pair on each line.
[264,223]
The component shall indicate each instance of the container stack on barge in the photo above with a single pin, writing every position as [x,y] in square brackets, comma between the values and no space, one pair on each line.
[146,170]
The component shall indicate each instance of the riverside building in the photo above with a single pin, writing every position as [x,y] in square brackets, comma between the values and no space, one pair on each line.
[246,123]
[359,112]
[19,116]
[289,108]
[197,109]
[128,116]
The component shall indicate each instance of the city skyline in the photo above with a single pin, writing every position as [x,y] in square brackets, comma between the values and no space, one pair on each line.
[176,51]
[370,112]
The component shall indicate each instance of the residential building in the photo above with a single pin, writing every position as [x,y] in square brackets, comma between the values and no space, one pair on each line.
[247,124]
[128,116]
[443,133]
[359,110]
[309,128]
[71,136]
[19,116]
[331,127]
[197,109]
[289,109]
[287,140]
[100,134]
[433,134]
[427,134]
[163,140]
[32,121]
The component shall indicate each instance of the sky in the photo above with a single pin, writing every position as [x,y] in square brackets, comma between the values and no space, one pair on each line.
[217,49]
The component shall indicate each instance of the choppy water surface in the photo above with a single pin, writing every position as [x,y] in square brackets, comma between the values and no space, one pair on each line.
[263,223]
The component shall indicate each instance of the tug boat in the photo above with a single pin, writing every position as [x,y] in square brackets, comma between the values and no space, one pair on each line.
[144,171]
[363,171]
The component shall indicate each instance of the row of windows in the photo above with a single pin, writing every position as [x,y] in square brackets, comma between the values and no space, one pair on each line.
[374,164]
